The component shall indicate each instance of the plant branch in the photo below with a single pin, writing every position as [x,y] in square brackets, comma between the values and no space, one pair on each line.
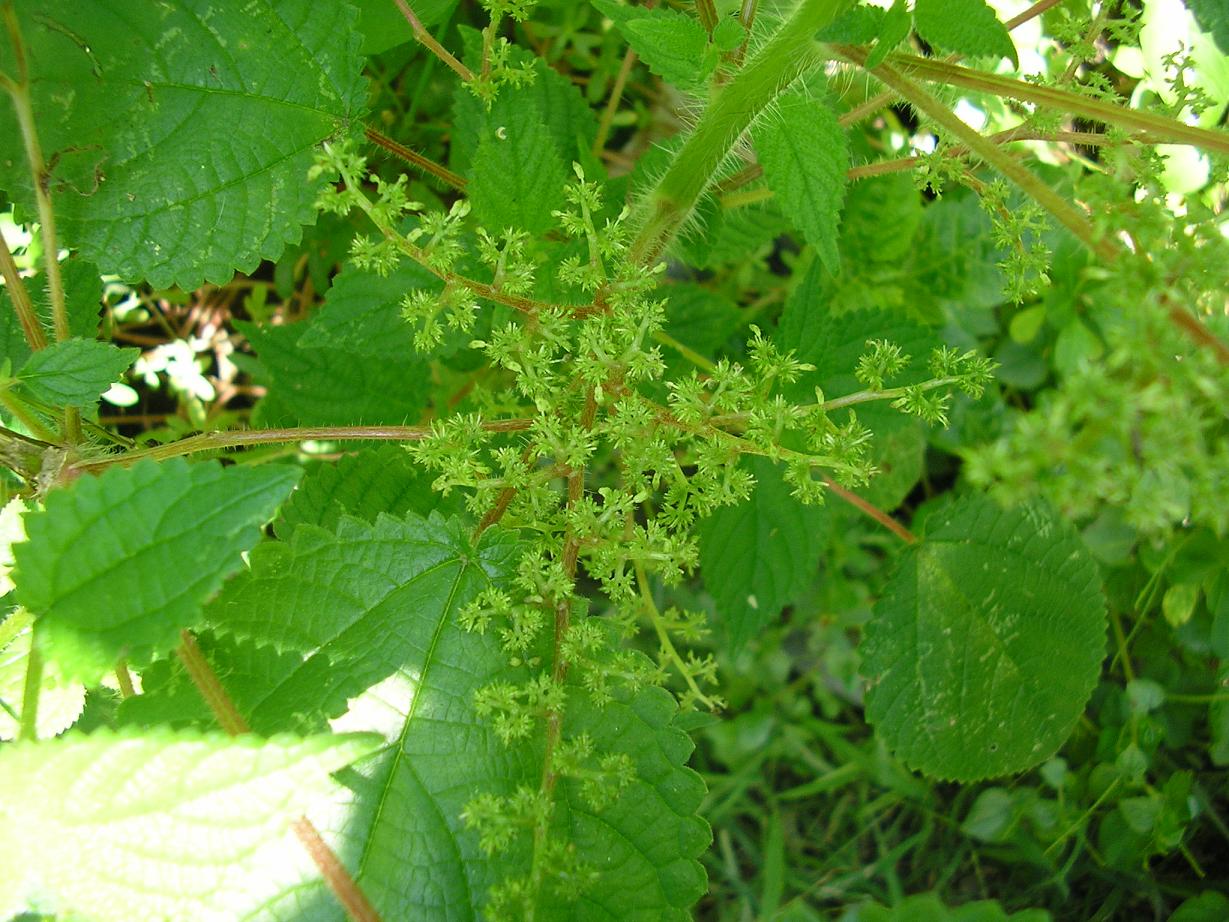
[22,305]
[1158,127]
[872,511]
[210,441]
[1107,249]
[667,645]
[415,159]
[427,40]
[612,104]
[877,102]
[707,14]
[233,723]
[20,93]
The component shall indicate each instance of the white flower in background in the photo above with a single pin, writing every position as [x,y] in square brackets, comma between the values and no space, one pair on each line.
[179,362]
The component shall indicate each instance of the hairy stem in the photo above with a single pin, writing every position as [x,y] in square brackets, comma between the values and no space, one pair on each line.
[27,419]
[20,297]
[706,12]
[415,159]
[1059,208]
[427,40]
[877,102]
[211,441]
[737,104]
[19,91]
[1158,128]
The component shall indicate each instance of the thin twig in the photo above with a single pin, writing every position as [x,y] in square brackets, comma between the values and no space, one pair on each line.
[612,104]
[871,510]
[426,164]
[211,441]
[427,40]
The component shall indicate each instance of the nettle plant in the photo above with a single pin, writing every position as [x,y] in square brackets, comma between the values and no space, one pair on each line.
[575,450]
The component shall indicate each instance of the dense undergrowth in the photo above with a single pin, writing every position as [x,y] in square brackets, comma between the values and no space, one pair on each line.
[513,460]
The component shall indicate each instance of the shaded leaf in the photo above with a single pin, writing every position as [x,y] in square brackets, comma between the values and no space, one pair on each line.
[518,177]
[758,556]
[332,386]
[986,643]
[364,485]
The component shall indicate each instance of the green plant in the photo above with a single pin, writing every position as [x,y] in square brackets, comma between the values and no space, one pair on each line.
[627,389]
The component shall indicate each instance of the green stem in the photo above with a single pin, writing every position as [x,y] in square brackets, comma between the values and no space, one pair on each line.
[685,351]
[1158,127]
[21,412]
[667,645]
[1105,248]
[28,729]
[20,297]
[427,40]
[1211,698]
[20,93]
[1062,210]
[415,159]
[707,13]
[210,441]
[787,55]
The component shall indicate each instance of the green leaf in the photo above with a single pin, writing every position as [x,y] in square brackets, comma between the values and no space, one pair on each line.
[968,27]
[152,180]
[699,318]
[377,607]
[986,643]
[551,99]
[518,177]
[833,344]
[803,151]
[364,485]
[927,907]
[672,44]
[75,372]
[160,826]
[333,386]
[1213,18]
[895,29]
[362,313]
[759,556]
[115,566]
[82,295]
